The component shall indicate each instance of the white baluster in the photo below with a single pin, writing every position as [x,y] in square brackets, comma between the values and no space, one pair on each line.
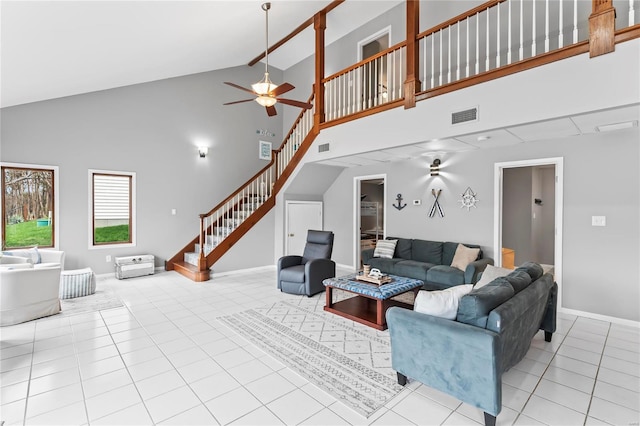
[575,21]
[560,26]
[486,65]
[440,74]
[376,83]
[546,26]
[521,50]
[498,36]
[632,15]
[467,64]
[433,61]
[509,33]
[533,31]
[477,43]
[449,56]
[424,64]
[458,53]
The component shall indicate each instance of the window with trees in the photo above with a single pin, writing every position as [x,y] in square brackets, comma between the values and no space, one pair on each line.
[112,208]
[28,205]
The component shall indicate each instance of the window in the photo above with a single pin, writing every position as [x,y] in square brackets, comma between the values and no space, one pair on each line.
[29,205]
[112,208]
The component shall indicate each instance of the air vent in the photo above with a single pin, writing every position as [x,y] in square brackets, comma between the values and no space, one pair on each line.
[323,148]
[464,116]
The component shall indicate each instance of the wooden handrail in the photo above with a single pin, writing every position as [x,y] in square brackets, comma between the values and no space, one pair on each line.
[461,17]
[365,61]
[295,125]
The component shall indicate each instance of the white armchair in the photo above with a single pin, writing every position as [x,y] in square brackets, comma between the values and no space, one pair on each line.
[28,293]
[40,258]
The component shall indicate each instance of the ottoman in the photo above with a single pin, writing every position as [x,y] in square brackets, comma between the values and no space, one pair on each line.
[76,283]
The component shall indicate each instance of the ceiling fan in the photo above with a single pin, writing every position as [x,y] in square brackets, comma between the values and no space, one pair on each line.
[267,94]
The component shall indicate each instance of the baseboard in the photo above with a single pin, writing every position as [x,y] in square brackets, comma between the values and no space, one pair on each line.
[340,265]
[614,320]
[242,271]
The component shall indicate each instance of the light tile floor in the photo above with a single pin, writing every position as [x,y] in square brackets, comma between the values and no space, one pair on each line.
[163,358]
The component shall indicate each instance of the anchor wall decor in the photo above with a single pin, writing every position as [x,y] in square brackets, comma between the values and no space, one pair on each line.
[400,206]
[436,204]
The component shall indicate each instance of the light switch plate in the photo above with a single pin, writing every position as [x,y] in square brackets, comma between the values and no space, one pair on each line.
[598,221]
[416,202]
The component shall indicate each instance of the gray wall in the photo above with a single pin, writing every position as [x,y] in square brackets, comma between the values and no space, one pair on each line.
[152,129]
[517,199]
[598,261]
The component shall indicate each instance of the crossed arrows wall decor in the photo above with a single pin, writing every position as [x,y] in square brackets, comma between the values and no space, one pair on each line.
[436,204]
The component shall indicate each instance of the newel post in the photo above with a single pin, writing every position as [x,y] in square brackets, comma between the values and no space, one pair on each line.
[202,261]
[602,28]
[319,25]
[412,83]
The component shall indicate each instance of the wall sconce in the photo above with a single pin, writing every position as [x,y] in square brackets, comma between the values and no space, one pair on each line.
[435,167]
[203,151]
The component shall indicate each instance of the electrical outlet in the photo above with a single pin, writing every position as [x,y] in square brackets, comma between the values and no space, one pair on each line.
[598,221]
[108,258]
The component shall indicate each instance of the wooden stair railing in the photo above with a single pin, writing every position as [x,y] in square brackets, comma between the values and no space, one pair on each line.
[226,223]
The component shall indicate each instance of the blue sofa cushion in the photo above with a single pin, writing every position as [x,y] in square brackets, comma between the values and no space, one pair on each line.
[412,268]
[385,265]
[474,308]
[403,248]
[518,279]
[449,251]
[534,270]
[293,274]
[427,251]
[447,275]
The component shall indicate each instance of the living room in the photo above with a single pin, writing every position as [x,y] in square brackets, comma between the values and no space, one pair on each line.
[155,128]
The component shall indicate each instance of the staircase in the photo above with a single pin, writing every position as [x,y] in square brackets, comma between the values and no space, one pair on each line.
[225,224]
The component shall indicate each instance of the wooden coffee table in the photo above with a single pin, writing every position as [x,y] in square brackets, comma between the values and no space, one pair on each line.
[371,302]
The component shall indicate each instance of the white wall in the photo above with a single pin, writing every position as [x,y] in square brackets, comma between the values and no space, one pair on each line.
[152,129]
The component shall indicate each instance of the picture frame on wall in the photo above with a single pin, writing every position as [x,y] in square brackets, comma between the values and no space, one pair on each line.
[264,150]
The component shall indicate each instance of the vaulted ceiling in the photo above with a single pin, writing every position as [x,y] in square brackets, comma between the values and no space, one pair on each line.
[51,49]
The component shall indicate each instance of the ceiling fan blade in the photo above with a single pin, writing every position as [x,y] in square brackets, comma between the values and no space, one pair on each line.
[238,102]
[240,87]
[283,88]
[299,104]
[271,111]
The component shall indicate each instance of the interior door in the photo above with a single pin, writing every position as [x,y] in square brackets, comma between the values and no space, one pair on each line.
[300,217]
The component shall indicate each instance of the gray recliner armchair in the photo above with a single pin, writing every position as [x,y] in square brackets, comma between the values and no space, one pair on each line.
[304,274]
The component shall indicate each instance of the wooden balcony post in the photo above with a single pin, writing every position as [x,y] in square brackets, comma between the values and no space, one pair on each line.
[412,83]
[602,28]
[319,25]
[202,261]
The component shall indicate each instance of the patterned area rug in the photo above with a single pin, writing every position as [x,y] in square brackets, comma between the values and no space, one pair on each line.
[100,300]
[352,363]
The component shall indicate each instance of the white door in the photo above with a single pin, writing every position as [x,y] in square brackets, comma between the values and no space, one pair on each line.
[300,217]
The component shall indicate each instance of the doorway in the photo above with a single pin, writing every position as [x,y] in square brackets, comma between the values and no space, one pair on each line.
[528,214]
[374,73]
[370,218]
[301,216]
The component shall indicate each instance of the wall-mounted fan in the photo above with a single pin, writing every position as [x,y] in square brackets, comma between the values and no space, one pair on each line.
[268,94]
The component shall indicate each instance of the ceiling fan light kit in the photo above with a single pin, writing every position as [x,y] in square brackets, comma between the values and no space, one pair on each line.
[265,90]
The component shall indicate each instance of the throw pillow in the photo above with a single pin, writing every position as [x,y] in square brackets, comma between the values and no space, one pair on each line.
[464,256]
[385,248]
[491,273]
[441,303]
[32,254]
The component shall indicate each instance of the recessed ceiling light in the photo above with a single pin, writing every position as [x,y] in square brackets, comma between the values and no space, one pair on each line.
[483,138]
[617,126]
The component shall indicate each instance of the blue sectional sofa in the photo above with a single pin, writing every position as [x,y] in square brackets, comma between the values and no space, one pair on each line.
[492,332]
[428,261]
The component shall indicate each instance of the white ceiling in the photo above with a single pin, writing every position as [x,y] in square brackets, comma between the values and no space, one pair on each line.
[51,49]
[551,129]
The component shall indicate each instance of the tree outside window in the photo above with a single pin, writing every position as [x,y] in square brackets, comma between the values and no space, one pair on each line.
[28,206]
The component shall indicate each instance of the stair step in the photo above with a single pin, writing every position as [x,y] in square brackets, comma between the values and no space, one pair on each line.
[191,272]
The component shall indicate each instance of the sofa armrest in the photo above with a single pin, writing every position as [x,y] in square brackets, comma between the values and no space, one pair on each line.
[367,255]
[52,256]
[456,358]
[474,268]
[549,318]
